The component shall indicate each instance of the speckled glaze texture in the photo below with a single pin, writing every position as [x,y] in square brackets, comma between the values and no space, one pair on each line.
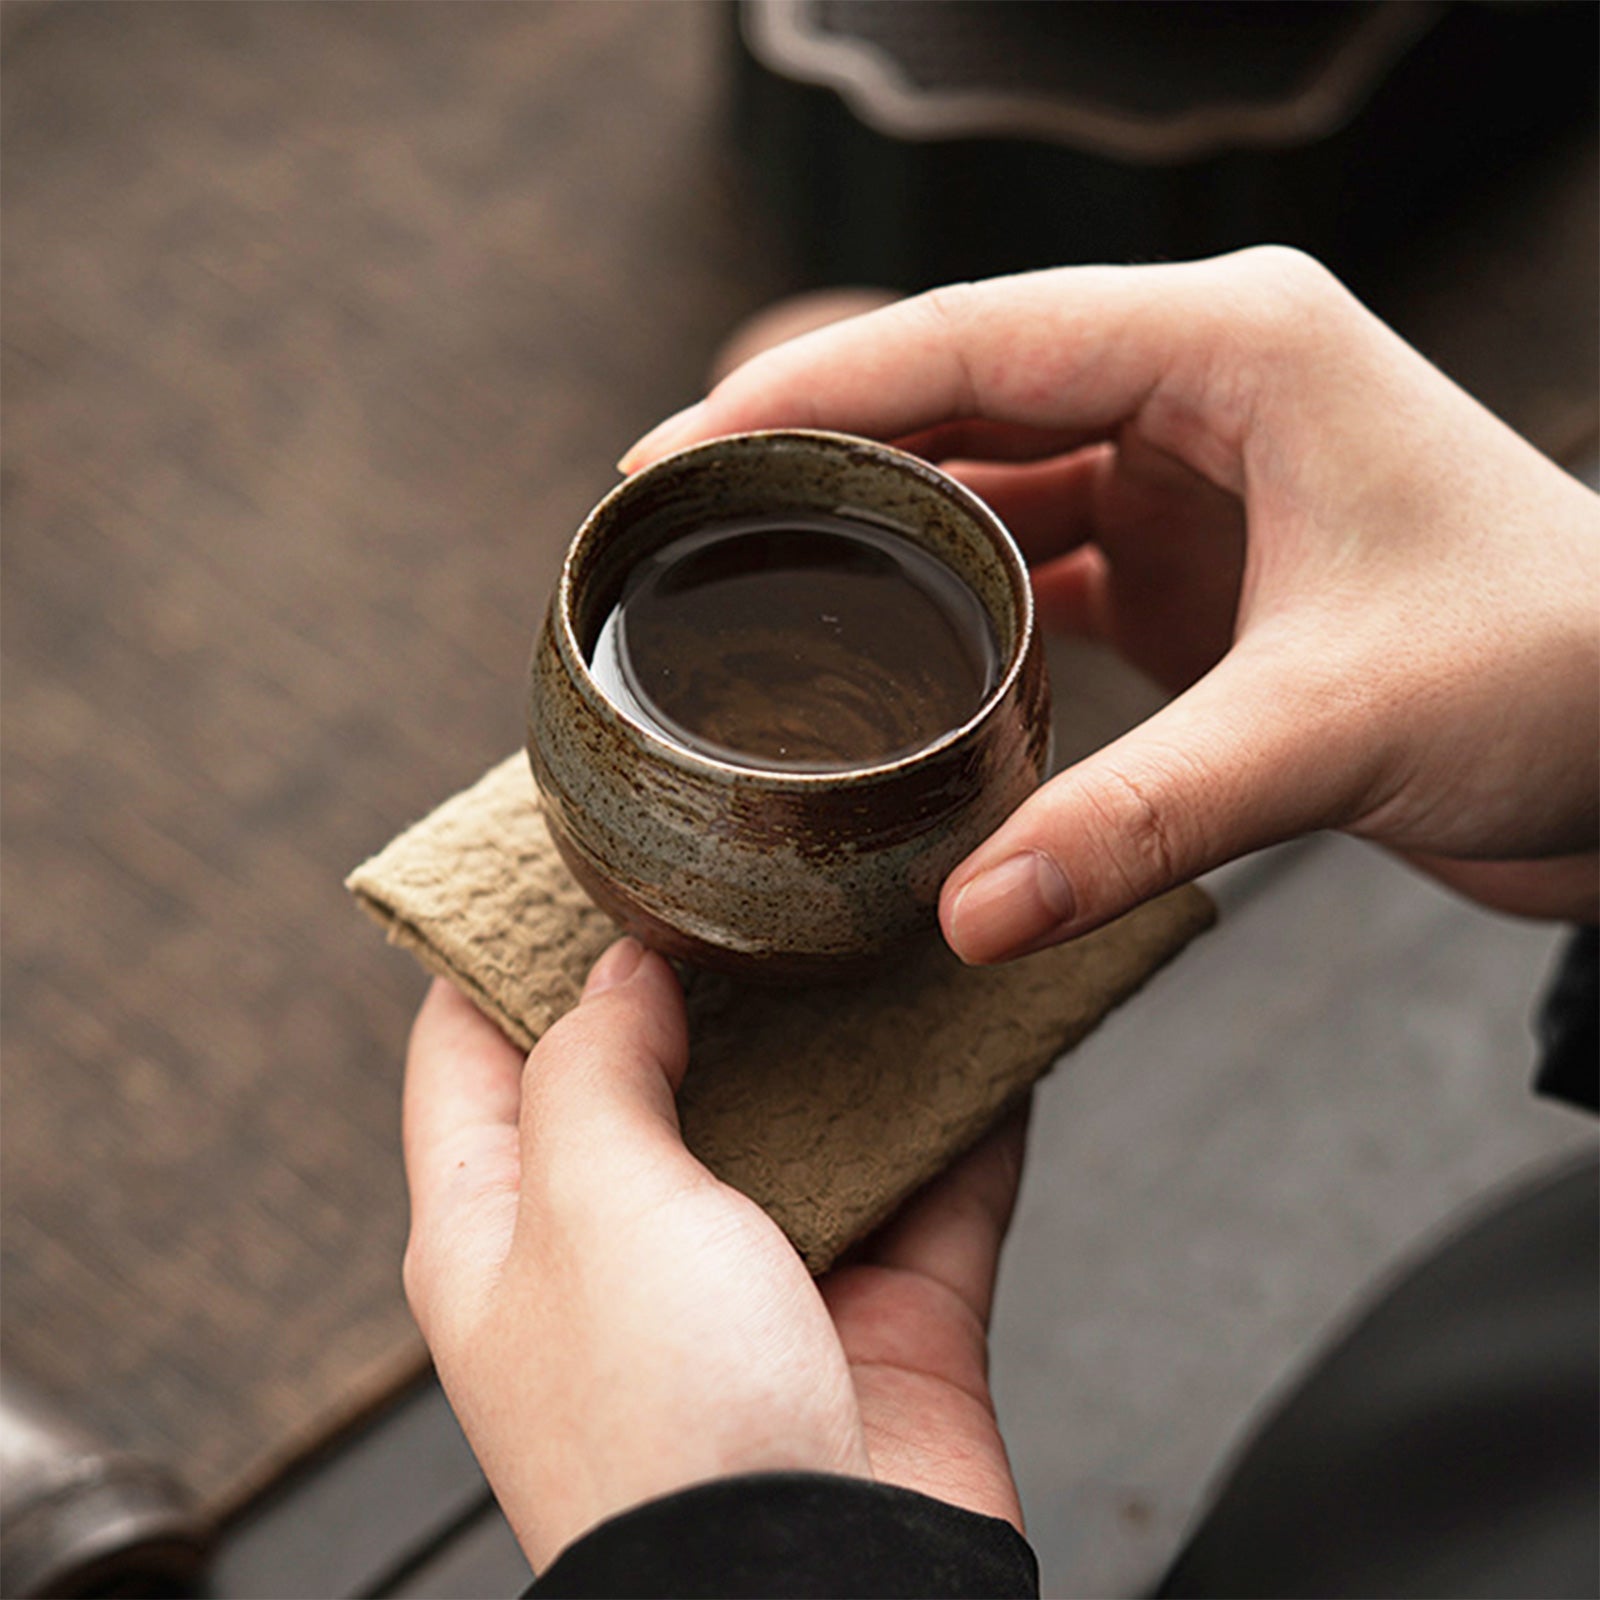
[779,875]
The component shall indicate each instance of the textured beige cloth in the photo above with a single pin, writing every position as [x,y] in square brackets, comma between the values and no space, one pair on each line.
[826,1105]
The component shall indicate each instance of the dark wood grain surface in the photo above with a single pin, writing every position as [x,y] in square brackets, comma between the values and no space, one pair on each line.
[322,326]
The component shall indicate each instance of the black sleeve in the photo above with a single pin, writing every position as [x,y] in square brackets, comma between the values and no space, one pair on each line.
[795,1535]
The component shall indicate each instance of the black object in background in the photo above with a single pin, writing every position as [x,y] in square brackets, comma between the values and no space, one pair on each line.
[923,141]
[1449,1444]
[77,1518]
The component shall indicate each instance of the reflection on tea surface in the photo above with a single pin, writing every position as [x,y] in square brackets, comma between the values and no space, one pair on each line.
[801,643]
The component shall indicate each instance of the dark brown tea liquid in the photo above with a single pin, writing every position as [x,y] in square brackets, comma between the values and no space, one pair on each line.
[803,643]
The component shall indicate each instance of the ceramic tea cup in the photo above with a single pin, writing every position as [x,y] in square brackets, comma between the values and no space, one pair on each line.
[779,874]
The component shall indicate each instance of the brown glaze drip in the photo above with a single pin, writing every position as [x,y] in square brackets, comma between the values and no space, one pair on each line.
[802,643]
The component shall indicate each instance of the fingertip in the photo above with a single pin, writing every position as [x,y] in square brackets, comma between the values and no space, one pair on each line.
[441,996]
[676,431]
[655,970]
[616,966]
[1009,909]
[448,1018]
[1069,594]
[433,1016]
[626,962]
[633,998]
[1008,1143]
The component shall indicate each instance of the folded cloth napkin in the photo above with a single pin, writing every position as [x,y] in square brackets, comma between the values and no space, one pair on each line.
[827,1105]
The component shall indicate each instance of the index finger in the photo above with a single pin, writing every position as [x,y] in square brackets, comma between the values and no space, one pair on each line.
[1075,351]
[953,1230]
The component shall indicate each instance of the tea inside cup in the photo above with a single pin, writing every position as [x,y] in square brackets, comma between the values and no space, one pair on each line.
[797,641]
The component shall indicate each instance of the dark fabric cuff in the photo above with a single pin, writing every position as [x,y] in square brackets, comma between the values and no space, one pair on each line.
[1569,1026]
[795,1535]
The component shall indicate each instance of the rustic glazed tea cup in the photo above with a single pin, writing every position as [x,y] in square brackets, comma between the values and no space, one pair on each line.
[733,859]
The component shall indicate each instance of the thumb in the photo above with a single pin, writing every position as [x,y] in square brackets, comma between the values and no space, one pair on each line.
[1253,754]
[598,1090]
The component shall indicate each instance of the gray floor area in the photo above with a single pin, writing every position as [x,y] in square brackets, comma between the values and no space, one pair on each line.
[1217,1176]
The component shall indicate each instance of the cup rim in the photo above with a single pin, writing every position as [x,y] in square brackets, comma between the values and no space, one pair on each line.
[778,778]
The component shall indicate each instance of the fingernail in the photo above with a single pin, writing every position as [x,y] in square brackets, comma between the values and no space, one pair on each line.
[1004,910]
[617,965]
[660,438]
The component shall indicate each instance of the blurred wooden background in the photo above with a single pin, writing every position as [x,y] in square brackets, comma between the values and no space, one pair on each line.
[323,326]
